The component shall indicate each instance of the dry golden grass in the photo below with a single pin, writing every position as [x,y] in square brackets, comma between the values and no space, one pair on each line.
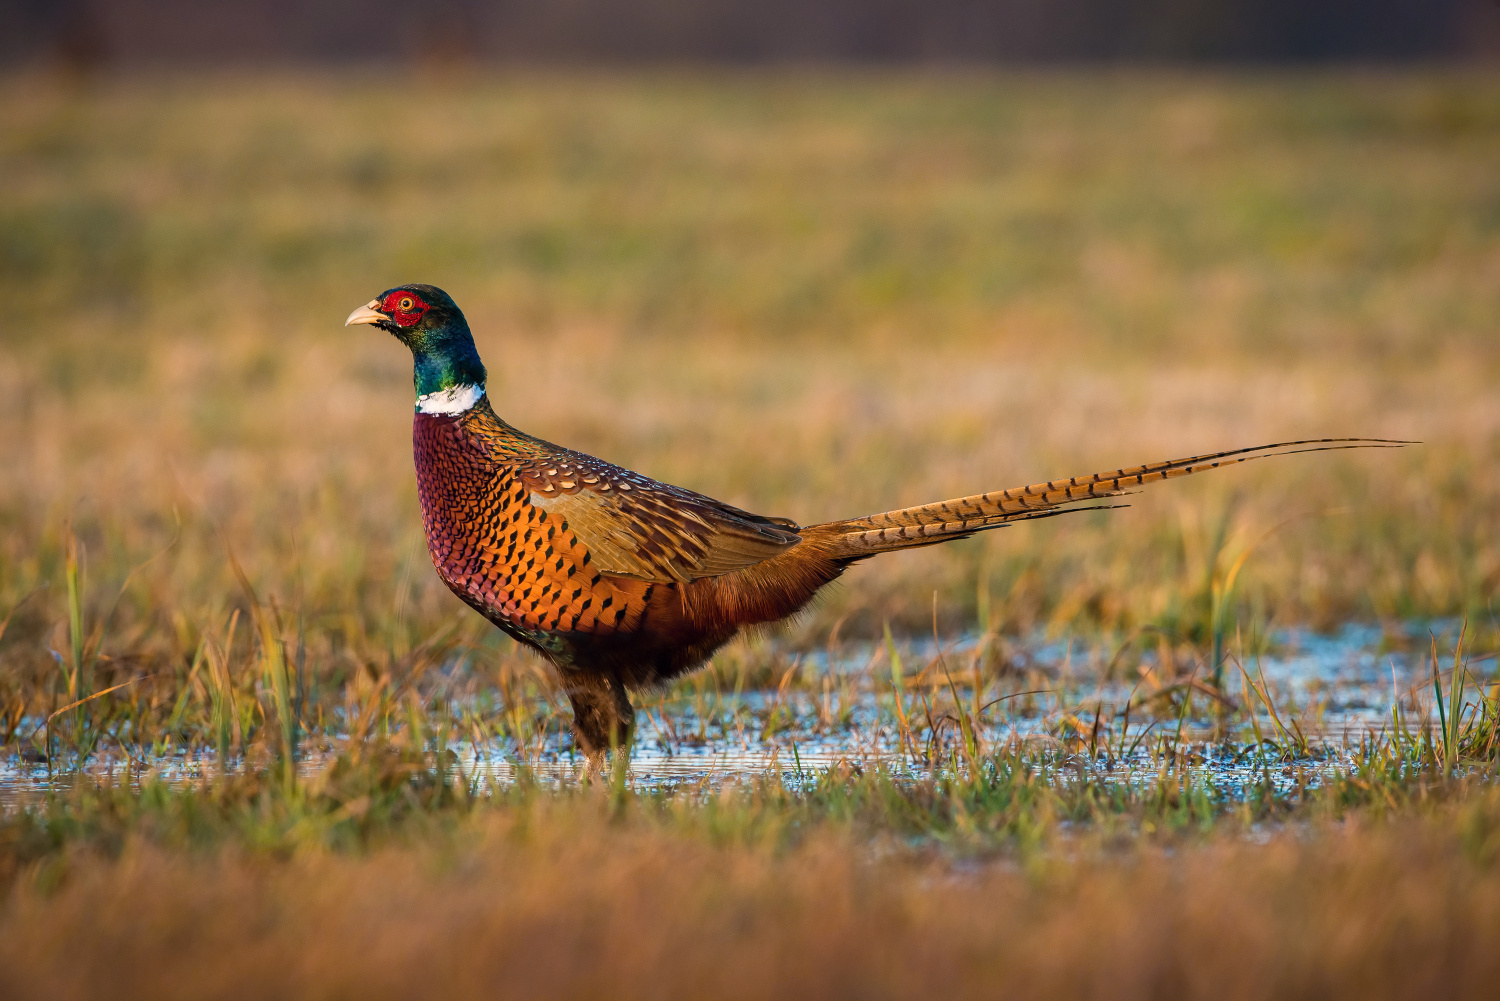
[565,903]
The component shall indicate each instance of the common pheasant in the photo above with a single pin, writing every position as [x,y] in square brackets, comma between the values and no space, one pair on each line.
[621,581]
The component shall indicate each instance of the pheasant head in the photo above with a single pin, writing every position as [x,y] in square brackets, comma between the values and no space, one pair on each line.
[446,370]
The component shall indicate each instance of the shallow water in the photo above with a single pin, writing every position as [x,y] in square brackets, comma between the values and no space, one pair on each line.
[1332,689]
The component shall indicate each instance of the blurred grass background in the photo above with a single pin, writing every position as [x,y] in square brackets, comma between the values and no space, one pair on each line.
[555,900]
[813,294]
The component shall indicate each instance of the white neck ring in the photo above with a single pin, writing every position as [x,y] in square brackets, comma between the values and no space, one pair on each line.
[453,400]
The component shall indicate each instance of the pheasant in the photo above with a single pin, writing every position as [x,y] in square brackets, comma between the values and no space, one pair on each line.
[623,582]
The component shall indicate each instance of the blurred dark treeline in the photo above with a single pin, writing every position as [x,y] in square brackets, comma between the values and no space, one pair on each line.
[102,32]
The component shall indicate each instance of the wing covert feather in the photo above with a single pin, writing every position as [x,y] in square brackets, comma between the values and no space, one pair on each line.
[658,533]
[635,526]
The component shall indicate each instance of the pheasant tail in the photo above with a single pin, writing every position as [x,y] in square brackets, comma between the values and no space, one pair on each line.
[944,521]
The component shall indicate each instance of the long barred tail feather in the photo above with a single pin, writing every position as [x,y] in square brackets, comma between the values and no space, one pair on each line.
[945,521]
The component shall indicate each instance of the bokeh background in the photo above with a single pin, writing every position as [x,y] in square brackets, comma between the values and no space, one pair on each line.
[248,32]
[818,260]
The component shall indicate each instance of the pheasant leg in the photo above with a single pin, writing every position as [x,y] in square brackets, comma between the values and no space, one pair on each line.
[603,718]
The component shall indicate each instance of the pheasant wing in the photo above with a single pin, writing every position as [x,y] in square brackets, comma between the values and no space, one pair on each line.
[637,527]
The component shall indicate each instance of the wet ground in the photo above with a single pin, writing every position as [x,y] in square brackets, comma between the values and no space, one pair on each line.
[1329,691]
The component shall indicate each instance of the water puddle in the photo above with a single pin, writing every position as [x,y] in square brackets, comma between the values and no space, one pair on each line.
[1330,691]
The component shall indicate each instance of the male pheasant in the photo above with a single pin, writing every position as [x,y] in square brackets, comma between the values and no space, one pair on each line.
[624,582]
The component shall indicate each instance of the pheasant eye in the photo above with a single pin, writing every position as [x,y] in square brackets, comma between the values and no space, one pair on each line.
[406,304]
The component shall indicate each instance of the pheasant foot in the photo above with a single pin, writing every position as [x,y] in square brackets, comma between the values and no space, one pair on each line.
[603,720]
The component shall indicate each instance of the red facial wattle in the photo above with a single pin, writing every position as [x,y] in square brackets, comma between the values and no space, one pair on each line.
[404,308]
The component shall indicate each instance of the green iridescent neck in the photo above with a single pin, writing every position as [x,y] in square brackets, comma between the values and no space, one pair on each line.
[435,372]
[445,359]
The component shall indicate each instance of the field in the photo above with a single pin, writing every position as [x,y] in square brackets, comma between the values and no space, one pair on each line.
[816,295]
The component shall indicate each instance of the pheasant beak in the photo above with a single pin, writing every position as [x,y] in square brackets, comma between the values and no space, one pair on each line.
[367,314]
